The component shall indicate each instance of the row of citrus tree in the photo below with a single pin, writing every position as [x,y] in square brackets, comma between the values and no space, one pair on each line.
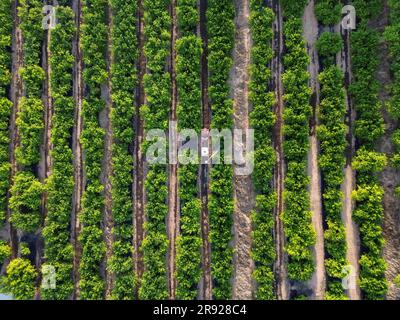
[220,28]
[391,35]
[58,251]
[5,103]
[5,113]
[297,216]
[157,83]
[189,51]
[262,120]
[369,127]
[332,136]
[94,45]
[26,189]
[124,81]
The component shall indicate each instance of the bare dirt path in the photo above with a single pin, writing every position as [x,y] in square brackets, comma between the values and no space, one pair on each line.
[45,164]
[173,229]
[16,94]
[107,171]
[310,30]
[244,198]
[77,146]
[138,183]
[352,234]
[280,267]
[206,285]
[389,177]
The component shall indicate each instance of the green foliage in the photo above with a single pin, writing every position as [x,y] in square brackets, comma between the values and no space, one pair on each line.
[335,292]
[5,251]
[155,243]
[328,12]
[369,128]
[372,278]
[392,34]
[262,120]
[58,250]
[25,202]
[297,216]
[26,192]
[367,9]
[33,77]
[5,45]
[94,43]
[369,161]
[368,214]
[30,13]
[157,84]
[5,166]
[329,44]
[397,281]
[189,50]
[220,27]
[30,127]
[5,103]
[19,280]
[123,91]
[23,249]
[293,9]
[332,137]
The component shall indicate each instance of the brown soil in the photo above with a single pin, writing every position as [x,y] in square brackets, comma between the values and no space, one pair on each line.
[77,147]
[280,267]
[389,177]
[172,225]
[352,233]
[310,29]
[138,185]
[107,166]
[206,285]
[244,197]
[44,167]
[16,94]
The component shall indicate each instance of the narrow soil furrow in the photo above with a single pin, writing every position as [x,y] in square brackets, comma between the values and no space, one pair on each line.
[107,166]
[311,32]
[352,235]
[77,147]
[172,224]
[16,94]
[206,292]
[280,267]
[243,188]
[389,177]
[138,185]
[44,168]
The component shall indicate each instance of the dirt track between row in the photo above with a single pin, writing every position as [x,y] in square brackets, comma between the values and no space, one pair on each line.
[311,34]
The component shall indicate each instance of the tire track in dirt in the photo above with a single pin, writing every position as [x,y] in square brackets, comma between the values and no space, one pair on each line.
[138,184]
[173,225]
[78,89]
[311,33]
[206,285]
[352,235]
[280,267]
[107,171]
[244,198]
[16,94]
[45,164]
